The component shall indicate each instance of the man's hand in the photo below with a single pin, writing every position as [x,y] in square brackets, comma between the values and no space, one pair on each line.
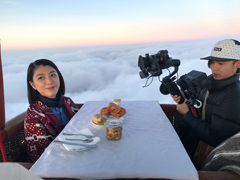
[181,108]
[176,98]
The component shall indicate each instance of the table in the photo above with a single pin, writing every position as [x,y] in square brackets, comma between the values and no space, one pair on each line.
[13,171]
[149,148]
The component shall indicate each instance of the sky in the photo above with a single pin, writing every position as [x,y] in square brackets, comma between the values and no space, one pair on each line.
[96,44]
[61,23]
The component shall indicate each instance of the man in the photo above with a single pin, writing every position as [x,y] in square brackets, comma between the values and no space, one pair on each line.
[220,114]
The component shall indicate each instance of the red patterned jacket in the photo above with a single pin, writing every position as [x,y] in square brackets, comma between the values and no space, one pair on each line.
[41,126]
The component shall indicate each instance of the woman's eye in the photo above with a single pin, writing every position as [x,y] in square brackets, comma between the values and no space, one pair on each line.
[53,75]
[40,77]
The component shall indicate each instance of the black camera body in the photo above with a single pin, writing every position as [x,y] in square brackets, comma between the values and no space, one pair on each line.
[191,84]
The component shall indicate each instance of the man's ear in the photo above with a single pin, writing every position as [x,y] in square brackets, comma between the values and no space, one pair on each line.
[238,63]
[32,84]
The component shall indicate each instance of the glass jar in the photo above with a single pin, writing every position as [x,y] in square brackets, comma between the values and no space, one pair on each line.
[117,102]
[114,129]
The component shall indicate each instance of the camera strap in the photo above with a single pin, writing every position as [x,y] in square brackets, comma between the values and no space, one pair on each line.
[204,105]
[194,111]
[203,149]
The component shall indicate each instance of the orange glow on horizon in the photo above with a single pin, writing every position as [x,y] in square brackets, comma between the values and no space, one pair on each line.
[113,34]
[32,41]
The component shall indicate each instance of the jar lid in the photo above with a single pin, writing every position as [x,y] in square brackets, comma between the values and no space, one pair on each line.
[117,100]
[113,122]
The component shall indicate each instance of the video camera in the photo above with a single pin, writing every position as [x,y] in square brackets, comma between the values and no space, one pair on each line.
[154,64]
[190,84]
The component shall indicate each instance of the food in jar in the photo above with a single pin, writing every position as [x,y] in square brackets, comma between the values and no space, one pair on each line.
[114,130]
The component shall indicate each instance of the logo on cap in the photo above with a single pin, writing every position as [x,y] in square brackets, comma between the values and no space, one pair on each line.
[217,49]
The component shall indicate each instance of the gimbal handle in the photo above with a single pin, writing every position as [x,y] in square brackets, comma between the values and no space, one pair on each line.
[169,86]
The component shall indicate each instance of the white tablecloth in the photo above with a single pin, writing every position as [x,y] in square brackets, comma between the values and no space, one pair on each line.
[149,148]
[15,171]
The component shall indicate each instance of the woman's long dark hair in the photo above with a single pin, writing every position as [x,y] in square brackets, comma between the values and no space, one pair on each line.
[33,94]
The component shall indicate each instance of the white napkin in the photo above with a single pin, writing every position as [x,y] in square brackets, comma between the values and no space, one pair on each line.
[69,147]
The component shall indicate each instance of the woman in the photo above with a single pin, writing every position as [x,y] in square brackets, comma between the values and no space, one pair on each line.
[49,110]
[220,119]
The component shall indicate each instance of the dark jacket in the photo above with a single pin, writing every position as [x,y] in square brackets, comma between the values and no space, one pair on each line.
[41,126]
[222,112]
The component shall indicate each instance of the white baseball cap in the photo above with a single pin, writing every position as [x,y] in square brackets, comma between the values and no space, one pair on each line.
[225,50]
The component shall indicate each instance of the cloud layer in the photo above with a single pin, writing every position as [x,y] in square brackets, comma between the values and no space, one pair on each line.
[101,73]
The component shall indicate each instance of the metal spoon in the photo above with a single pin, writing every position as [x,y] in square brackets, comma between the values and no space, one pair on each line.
[83,140]
[73,134]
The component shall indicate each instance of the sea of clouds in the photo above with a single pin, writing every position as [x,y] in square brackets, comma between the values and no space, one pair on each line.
[101,72]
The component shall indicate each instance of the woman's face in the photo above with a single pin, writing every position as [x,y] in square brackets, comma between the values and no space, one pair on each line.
[46,81]
[223,69]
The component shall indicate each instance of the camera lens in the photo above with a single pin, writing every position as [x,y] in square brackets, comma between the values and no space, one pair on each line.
[163,89]
[142,63]
[143,74]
